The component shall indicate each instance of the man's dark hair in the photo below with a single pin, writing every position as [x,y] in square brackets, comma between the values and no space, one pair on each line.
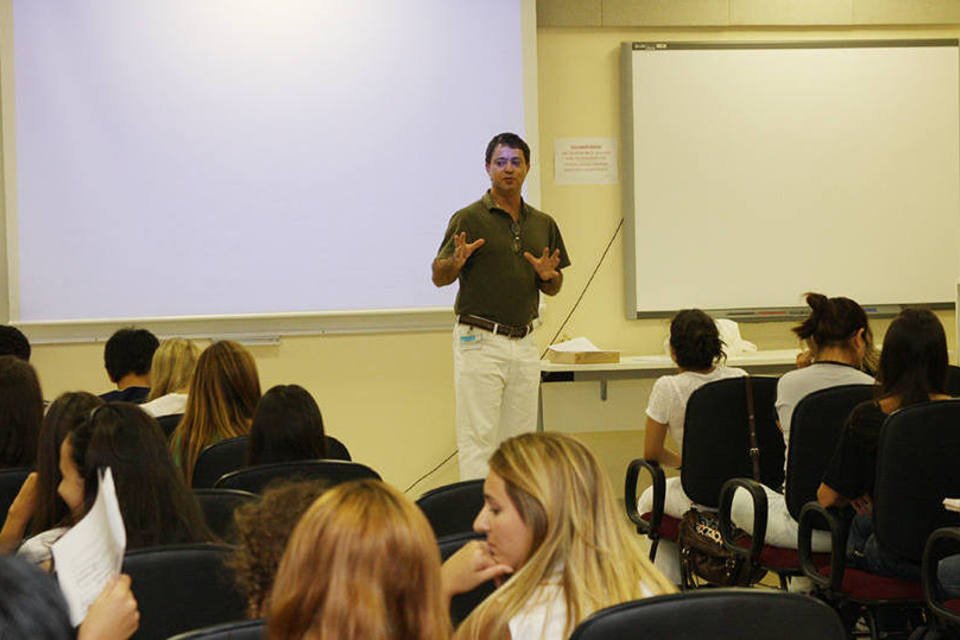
[129,350]
[14,343]
[511,140]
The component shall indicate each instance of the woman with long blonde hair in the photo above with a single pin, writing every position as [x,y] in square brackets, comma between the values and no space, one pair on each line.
[362,564]
[556,539]
[171,371]
[223,397]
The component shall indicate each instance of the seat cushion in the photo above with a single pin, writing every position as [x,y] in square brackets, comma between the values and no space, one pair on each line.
[863,586]
[669,526]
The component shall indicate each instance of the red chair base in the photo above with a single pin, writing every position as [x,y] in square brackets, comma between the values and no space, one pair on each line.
[864,586]
[669,526]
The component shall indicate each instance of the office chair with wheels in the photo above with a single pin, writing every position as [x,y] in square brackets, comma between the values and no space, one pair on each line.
[255,479]
[452,508]
[10,482]
[246,630]
[218,506]
[219,459]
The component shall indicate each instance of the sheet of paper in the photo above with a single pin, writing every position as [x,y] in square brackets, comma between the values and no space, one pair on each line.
[576,345]
[88,555]
[953,504]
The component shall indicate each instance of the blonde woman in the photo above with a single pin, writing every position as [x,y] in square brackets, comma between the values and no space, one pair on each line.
[362,564]
[556,540]
[170,373]
[223,397]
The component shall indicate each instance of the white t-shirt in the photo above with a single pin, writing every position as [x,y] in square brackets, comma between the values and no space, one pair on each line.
[668,399]
[544,615]
[168,405]
[795,385]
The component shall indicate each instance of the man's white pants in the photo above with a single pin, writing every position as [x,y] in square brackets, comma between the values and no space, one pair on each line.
[496,380]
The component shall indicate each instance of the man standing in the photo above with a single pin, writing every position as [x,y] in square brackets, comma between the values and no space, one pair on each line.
[504,253]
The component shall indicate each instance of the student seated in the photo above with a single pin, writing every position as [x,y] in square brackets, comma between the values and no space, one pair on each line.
[555,541]
[913,369]
[840,341]
[14,343]
[171,371]
[38,505]
[696,348]
[126,357]
[223,397]
[287,426]
[263,530]
[21,412]
[362,564]
[156,506]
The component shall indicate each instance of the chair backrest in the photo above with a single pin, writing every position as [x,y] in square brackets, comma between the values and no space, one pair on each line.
[255,479]
[219,459]
[452,508]
[953,380]
[246,630]
[10,482]
[941,575]
[716,437]
[336,450]
[169,422]
[918,465]
[182,587]
[716,614]
[462,604]
[218,506]
[815,428]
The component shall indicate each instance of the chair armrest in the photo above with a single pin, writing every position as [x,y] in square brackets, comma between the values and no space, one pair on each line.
[659,495]
[759,497]
[942,543]
[839,528]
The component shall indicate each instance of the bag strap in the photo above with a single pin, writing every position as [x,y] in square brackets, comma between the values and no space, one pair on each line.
[752,423]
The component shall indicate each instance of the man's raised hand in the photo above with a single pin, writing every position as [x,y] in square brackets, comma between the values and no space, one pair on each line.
[462,250]
[546,265]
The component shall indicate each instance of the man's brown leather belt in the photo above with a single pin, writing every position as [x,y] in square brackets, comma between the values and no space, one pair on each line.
[500,329]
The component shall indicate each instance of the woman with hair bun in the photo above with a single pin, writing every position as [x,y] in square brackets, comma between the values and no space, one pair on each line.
[838,343]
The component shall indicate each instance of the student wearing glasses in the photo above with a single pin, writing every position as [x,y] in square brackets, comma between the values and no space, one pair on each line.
[504,253]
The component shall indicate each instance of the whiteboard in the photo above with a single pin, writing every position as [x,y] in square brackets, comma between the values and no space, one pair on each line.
[757,172]
[248,159]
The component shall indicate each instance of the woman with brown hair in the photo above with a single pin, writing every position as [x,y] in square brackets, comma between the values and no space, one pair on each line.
[223,397]
[21,411]
[379,571]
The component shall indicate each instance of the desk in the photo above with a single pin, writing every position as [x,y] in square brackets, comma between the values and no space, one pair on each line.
[759,362]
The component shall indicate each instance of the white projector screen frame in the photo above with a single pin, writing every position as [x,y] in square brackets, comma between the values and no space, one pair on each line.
[759,171]
[248,168]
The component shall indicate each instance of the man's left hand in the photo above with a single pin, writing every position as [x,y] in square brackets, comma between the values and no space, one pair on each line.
[546,264]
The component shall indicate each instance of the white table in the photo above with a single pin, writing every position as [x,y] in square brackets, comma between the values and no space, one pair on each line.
[759,362]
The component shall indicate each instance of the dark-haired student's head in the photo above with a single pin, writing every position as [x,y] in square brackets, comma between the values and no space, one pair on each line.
[836,323]
[695,340]
[63,415]
[129,352]
[156,505]
[13,342]
[287,426]
[31,604]
[913,362]
[21,411]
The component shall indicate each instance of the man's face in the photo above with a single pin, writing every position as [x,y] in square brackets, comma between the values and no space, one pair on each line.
[507,170]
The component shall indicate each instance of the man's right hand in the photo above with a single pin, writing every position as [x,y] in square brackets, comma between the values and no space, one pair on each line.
[462,250]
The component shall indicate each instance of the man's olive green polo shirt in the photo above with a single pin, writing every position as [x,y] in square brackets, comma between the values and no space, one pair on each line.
[497,282]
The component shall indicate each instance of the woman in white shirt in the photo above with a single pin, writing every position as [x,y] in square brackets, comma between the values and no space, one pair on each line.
[171,371]
[554,538]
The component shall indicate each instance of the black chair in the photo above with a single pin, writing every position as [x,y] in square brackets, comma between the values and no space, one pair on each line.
[716,447]
[246,630]
[452,508]
[169,422]
[255,479]
[816,425]
[916,469]
[182,587]
[716,614]
[10,482]
[219,459]
[945,607]
[336,450]
[218,506]
[462,604]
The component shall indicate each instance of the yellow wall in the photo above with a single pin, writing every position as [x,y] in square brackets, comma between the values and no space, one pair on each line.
[389,397]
